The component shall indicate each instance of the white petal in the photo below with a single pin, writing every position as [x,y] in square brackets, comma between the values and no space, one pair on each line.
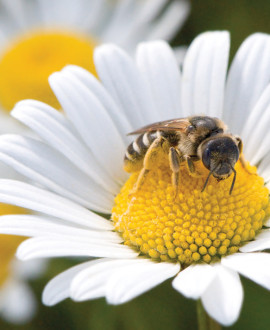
[44,247]
[264,234]
[194,280]
[223,298]
[9,125]
[58,288]
[158,65]
[264,167]
[258,245]
[122,79]
[248,76]
[136,279]
[103,96]
[256,130]
[255,266]
[170,22]
[58,132]
[7,172]
[204,73]
[39,200]
[92,123]
[91,282]
[44,165]
[15,10]
[137,26]
[94,18]
[121,16]
[33,225]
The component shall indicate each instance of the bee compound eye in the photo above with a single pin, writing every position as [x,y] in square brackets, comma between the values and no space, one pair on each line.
[206,157]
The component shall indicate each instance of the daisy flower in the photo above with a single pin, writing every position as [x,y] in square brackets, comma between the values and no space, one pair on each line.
[40,37]
[203,240]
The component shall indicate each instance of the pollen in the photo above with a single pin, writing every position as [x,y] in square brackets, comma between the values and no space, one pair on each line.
[191,226]
[27,63]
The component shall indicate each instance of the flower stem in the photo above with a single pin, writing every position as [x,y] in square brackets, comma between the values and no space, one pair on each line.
[205,322]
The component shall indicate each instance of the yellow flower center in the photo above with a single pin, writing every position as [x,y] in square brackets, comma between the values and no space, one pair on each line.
[193,226]
[27,63]
[8,244]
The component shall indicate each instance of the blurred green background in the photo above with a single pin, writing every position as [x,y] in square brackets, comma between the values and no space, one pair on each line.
[240,17]
[163,308]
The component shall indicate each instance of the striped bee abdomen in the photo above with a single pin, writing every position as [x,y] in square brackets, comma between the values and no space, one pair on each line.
[136,151]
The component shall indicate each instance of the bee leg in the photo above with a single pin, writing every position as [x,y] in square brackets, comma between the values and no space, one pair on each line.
[149,160]
[190,165]
[175,160]
[140,180]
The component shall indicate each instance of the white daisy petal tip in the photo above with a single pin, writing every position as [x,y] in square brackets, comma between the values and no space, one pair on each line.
[136,279]
[107,50]
[256,36]
[193,281]
[255,246]
[48,299]
[75,70]
[58,288]
[155,43]
[224,296]
[54,78]
[209,35]
[267,223]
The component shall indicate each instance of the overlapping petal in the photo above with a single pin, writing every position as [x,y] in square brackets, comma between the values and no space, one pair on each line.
[73,96]
[58,288]
[193,281]
[55,129]
[40,200]
[204,73]
[248,76]
[155,61]
[40,247]
[138,278]
[123,81]
[44,165]
[35,226]
[224,296]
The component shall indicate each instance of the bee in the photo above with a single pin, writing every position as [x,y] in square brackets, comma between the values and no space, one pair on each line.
[185,140]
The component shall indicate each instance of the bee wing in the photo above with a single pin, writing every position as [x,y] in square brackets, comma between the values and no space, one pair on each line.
[179,124]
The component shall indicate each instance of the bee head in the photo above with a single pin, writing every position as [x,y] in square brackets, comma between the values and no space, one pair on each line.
[219,155]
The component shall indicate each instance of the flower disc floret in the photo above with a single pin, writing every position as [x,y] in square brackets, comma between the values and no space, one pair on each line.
[193,226]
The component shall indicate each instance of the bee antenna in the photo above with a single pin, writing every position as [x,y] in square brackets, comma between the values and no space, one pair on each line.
[234,178]
[207,179]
